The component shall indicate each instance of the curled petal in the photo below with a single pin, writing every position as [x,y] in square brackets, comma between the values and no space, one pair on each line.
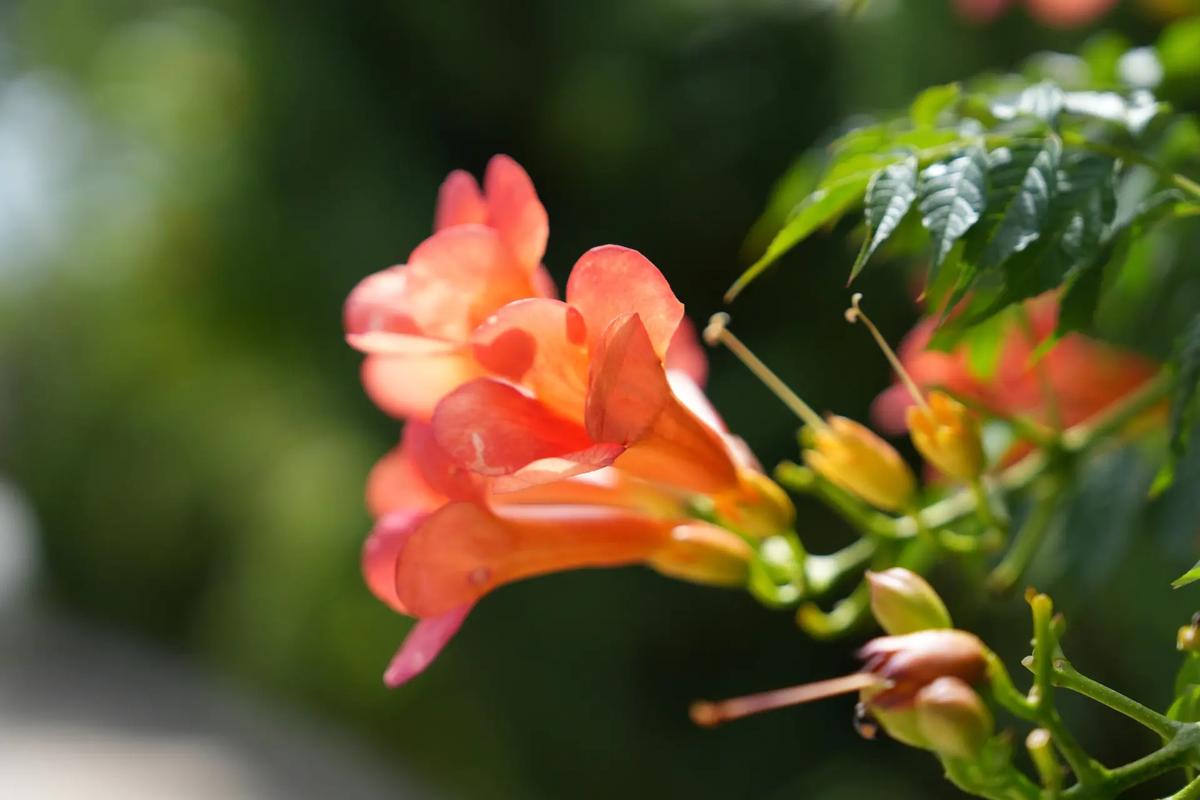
[494,429]
[628,388]
[686,355]
[396,483]
[630,402]
[458,277]
[515,211]
[381,553]
[462,551]
[610,281]
[422,645]
[399,344]
[411,386]
[541,344]
[379,303]
[459,202]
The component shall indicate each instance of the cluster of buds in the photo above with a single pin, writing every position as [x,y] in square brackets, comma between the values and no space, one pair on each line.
[541,434]
[916,683]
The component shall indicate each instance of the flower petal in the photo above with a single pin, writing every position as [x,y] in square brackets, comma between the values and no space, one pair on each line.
[685,353]
[462,551]
[396,483]
[458,277]
[494,429]
[381,553]
[610,281]
[630,402]
[541,344]
[459,202]
[411,386]
[379,303]
[515,211]
[422,645]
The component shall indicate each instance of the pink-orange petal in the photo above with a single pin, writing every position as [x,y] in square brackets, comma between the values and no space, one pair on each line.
[381,553]
[494,429]
[423,644]
[685,353]
[379,303]
[541,344]
[459,202]
[396,483]
[628,387]
[611,281]
[458,277]
[463,551]
[515,211]
[411,386]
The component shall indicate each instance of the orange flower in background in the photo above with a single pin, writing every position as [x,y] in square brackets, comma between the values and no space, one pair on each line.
[1072,381]
[1055,13]
[414,320]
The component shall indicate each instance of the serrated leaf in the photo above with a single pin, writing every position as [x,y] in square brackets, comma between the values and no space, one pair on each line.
[930,103]
[1023,179]
[1043,101]
[889,196]
[953,196]
[824,205]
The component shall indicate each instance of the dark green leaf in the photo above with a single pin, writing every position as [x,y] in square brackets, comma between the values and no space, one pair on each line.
[953,197]
[930,103]
[1022,179]
[889,196]
[1186,362]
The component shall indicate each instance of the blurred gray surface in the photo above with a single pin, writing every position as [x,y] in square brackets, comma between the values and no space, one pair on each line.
[90,714]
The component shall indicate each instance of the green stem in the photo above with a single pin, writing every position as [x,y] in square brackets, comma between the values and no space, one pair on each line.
[822,573]
[850,508]
[1183,749]
[845,614]
[1029,539]
[1066,676]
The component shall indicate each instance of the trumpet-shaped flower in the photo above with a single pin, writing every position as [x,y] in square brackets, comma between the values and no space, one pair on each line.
[414,321]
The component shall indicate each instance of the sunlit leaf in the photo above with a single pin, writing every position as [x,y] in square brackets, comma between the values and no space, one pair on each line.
[953,196]
[930,104]
[889,197]
[1022,179]
[1043,101]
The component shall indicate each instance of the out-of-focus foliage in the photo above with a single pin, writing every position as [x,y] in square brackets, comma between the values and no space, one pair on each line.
[188,193]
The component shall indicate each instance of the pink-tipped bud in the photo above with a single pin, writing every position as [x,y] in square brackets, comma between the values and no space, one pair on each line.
[911,662]
[852,457]
[946,433]
[952,719]
[903,602]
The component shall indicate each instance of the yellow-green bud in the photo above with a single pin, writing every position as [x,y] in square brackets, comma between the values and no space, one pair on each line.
[851,456]
[947,435]
[903,602]
[1188,639]
[952,720]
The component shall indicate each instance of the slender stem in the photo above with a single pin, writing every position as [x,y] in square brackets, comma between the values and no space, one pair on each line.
[1029,538]
[850,508]
[1182,750]
[983,506]
[845,615]
[718,332]
[1066,676]
[1115,417]
[822,572]
[1041,753]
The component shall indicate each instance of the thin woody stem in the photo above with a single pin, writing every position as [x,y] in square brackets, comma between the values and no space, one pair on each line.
[708,714]
[856,314]
[717,332]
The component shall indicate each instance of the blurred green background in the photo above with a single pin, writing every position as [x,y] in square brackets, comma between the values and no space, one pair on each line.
[189,191]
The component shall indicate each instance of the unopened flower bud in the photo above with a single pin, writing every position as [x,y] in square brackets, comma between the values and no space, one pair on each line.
[946,433]
[1188,639]
[852,457]
[952,719]
[900,724]
[757,507]
[903,602]
[906,664]
[706,554]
